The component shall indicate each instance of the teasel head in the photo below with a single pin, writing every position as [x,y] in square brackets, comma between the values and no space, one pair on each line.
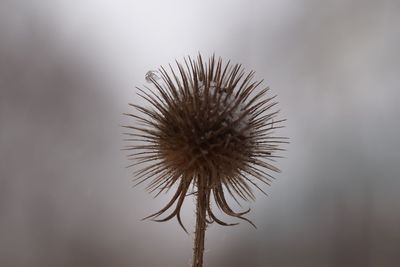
[207,129]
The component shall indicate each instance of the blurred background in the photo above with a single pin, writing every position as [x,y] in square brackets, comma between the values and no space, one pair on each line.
[68,70]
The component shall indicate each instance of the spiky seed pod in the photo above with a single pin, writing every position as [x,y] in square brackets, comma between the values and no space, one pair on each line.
[207,129]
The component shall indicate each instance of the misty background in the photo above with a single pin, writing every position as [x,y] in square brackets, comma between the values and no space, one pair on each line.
[68,70]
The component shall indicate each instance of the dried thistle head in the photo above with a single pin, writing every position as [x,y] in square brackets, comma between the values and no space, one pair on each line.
[206,129]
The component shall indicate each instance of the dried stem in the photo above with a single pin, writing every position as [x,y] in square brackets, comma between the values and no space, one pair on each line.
[201,224]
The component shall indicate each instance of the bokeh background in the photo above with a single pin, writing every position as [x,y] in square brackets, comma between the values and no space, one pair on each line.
[69,68]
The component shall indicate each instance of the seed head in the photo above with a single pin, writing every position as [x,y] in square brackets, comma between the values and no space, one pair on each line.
[207,128]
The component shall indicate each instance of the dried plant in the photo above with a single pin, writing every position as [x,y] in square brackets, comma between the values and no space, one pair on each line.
[208,131]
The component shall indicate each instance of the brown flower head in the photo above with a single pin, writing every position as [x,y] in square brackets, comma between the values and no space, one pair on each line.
[207,129]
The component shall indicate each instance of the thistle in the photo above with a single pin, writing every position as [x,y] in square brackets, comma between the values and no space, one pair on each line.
[209,131]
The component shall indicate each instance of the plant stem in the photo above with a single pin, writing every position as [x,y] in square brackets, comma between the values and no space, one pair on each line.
[200,232]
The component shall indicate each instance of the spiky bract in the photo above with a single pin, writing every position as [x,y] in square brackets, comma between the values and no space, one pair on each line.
[207,128]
